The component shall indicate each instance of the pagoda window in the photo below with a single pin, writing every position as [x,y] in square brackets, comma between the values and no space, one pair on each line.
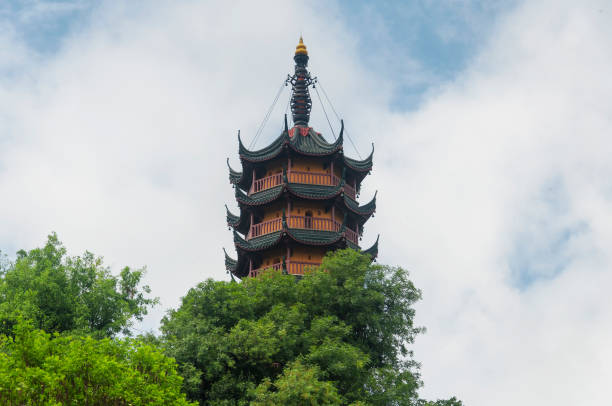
[308,219]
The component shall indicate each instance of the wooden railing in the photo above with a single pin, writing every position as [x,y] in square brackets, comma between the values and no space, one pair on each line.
[303,222]
[311,178]
[266,183]
[276,267]
[293,267]
[315,223]
[352,236]
[300,267]
[266,227]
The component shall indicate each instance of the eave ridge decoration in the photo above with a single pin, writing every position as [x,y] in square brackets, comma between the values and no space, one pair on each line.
[234,176]
[373,250]
[232,219]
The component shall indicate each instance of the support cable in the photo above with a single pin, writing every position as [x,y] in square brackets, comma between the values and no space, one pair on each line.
[287,108]
[338,117]
[267,116]
[325,112]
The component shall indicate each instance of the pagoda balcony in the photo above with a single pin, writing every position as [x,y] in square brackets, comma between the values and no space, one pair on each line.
[303,222]
[310,178]
[293,267]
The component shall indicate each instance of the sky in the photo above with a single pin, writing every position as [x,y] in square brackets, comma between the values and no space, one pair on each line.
[491,122]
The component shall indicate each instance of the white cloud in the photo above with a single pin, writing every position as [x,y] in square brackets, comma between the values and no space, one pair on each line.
[495,193]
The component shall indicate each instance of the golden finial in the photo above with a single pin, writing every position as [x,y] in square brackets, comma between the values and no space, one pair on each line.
[300,49]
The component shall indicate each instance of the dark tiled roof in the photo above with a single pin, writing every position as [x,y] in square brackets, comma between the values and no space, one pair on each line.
[312,144]
[263,154]
[258,243]
[365,210]
[364,165]
[318,192]
[314,237]
[259,198]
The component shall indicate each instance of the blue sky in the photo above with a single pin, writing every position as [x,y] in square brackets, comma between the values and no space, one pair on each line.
[491,121]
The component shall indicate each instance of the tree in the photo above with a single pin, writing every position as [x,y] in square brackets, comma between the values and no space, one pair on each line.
[40,368]
[63,294]
[345,325]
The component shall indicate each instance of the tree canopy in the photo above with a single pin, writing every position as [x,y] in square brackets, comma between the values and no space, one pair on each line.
[339,335]
[336,336]
[40,368]
[59,293]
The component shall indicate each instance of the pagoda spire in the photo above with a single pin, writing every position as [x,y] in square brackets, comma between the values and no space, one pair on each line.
[301,104]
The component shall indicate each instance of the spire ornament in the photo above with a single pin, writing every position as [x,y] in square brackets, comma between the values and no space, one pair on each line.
[301,104]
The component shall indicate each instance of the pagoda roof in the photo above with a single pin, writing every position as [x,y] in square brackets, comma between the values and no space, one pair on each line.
[259,198]
[305,191]
[363,210]
[303,140]
[364,165]
[311,237]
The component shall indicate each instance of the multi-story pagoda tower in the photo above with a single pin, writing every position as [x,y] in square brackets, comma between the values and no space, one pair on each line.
[298,195]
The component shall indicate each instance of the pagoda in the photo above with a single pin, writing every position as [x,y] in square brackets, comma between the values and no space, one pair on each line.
[297,196]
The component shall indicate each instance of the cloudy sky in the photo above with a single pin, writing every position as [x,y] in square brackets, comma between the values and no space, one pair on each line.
[492,125]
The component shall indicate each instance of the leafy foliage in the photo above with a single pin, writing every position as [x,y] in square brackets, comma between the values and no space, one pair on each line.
[38,368]
[70,294]
[345,326]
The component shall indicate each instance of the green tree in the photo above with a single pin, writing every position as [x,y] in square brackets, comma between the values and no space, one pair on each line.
[70,294]
[346,326]
[44,369]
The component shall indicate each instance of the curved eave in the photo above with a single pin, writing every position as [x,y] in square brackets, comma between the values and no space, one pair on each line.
[264,154]
[257,244]
[259,198]
[362,166]
[230,263]
[301,190]
[302,236]
[364,211]
[373,250]
[315,192]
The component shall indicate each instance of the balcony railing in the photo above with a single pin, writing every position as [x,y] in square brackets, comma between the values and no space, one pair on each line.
[276,267]
[303,222]
[293,267]
[311,178]
[266,183]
